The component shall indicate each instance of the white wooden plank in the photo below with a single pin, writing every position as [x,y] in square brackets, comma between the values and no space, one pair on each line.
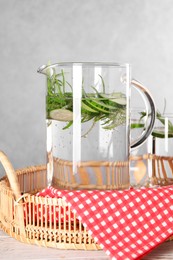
[10,249]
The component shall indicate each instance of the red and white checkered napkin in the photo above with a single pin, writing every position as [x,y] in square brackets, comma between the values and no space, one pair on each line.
[127,224]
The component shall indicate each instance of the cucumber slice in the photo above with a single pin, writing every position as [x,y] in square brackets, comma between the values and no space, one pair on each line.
[61,115]
[115,98]
[160,134]
[87,108]
[94,105]
[102,104]
[137,125]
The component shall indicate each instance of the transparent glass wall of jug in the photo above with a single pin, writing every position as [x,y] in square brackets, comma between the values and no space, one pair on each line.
[88,125]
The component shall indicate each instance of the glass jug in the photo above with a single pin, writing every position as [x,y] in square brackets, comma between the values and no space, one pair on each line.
[88,124]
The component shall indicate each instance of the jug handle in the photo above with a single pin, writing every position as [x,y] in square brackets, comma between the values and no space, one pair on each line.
[144,91]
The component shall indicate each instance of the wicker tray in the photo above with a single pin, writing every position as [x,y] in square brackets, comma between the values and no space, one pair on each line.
[25,216]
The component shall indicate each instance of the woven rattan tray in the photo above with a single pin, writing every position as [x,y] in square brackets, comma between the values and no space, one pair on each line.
[26,217]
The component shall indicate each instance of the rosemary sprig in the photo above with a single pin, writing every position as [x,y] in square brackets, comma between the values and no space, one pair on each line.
[110,110]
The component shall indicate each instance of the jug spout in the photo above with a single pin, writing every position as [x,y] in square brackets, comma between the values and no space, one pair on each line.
[42,69]
[46,70]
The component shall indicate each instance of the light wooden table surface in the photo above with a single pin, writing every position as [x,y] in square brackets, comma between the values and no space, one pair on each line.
[10,248]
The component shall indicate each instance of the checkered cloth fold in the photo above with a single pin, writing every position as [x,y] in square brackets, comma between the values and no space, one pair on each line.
[127,224]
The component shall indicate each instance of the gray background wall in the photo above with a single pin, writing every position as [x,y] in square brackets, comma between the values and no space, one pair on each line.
[32,32]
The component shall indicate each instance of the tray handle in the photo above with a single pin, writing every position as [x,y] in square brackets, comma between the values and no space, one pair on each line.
[13,180]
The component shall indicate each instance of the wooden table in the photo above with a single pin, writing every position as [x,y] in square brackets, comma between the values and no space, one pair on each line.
[10,248]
